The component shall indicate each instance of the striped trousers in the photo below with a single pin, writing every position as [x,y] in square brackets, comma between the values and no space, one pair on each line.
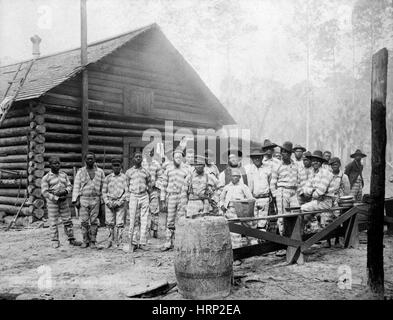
[174,211]
[139,217]
[60,210]
[154,208]
[356,190]
[285,198]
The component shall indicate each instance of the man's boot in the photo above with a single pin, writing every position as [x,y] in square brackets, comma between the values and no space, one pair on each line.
[111,230]
[85,235]
[93,235]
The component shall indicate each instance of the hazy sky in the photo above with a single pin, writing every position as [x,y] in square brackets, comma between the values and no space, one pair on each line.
[265,51]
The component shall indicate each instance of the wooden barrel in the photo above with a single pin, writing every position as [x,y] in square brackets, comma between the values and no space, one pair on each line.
[203,257]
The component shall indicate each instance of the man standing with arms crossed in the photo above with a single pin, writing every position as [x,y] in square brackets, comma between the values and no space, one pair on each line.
[86,196]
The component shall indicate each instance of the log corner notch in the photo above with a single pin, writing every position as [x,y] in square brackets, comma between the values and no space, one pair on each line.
[378,162]
[36,164]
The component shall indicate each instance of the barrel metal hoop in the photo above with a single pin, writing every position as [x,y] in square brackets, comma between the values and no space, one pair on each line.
[207,275]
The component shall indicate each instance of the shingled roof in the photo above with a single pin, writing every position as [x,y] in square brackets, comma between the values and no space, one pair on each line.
[50,71]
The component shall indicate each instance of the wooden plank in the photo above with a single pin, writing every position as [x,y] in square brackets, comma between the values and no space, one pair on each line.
[320,235]
[295,229]
[378,165]
[256,250]
[255,233]
[351,239]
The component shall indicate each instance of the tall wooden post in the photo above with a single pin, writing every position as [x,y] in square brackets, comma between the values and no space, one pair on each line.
[85,87]
[378,162]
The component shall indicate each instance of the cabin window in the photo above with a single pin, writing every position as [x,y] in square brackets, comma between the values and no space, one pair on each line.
[138,101]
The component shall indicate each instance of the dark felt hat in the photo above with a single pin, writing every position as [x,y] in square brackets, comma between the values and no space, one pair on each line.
[267,144]
[317,154]
[334,160]
[116,160]
[287,145]
[358,152]
[307,154]
[256,152]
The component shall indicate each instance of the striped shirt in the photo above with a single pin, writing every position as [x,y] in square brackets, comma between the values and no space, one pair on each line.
[305,175]
[173,179]
[52,183]
[340,185]
[86,187]
[285,176]
[259,179]
[138,180]
[115,188]
[154,168]
[319,184]
[299,163]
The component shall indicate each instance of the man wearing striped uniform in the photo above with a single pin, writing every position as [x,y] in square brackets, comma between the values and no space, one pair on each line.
[320,189]
[284,185]
[172,184]
[197,189]
[115,195]
[154,168]
[86,196]
[305,173]
[139,187]
[55,187]
[298,151]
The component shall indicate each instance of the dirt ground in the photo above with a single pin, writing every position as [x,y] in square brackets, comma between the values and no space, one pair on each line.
[26,255]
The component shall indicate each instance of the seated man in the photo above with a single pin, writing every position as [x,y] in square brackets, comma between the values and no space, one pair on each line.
[235,190]
[318,188]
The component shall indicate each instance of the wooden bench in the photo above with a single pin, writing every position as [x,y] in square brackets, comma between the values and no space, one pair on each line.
[296,243]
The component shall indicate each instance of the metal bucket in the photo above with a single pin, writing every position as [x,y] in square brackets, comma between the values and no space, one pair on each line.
[244,208]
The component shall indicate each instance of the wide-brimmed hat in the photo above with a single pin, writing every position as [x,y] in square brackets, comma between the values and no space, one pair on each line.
[298,146]
[255,152]
[317,154]
[358,152]
[197,160]
[307,154]
[267,144]
[334,160]
[287,145]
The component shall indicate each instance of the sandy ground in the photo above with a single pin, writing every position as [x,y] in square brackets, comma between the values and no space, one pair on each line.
[26,255]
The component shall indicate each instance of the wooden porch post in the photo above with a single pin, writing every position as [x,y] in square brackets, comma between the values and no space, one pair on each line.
[378,162]
[85,88]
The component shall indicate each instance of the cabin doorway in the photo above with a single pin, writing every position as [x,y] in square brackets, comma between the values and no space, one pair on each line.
[130,146]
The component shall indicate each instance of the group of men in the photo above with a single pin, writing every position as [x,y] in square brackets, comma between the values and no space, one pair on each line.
[188,185]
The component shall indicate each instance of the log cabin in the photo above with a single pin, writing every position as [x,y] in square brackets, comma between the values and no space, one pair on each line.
[136,81]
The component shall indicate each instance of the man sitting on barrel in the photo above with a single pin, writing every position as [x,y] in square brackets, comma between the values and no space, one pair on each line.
[197,189]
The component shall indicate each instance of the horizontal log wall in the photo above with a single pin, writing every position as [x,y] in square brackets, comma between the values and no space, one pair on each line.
[14,139]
